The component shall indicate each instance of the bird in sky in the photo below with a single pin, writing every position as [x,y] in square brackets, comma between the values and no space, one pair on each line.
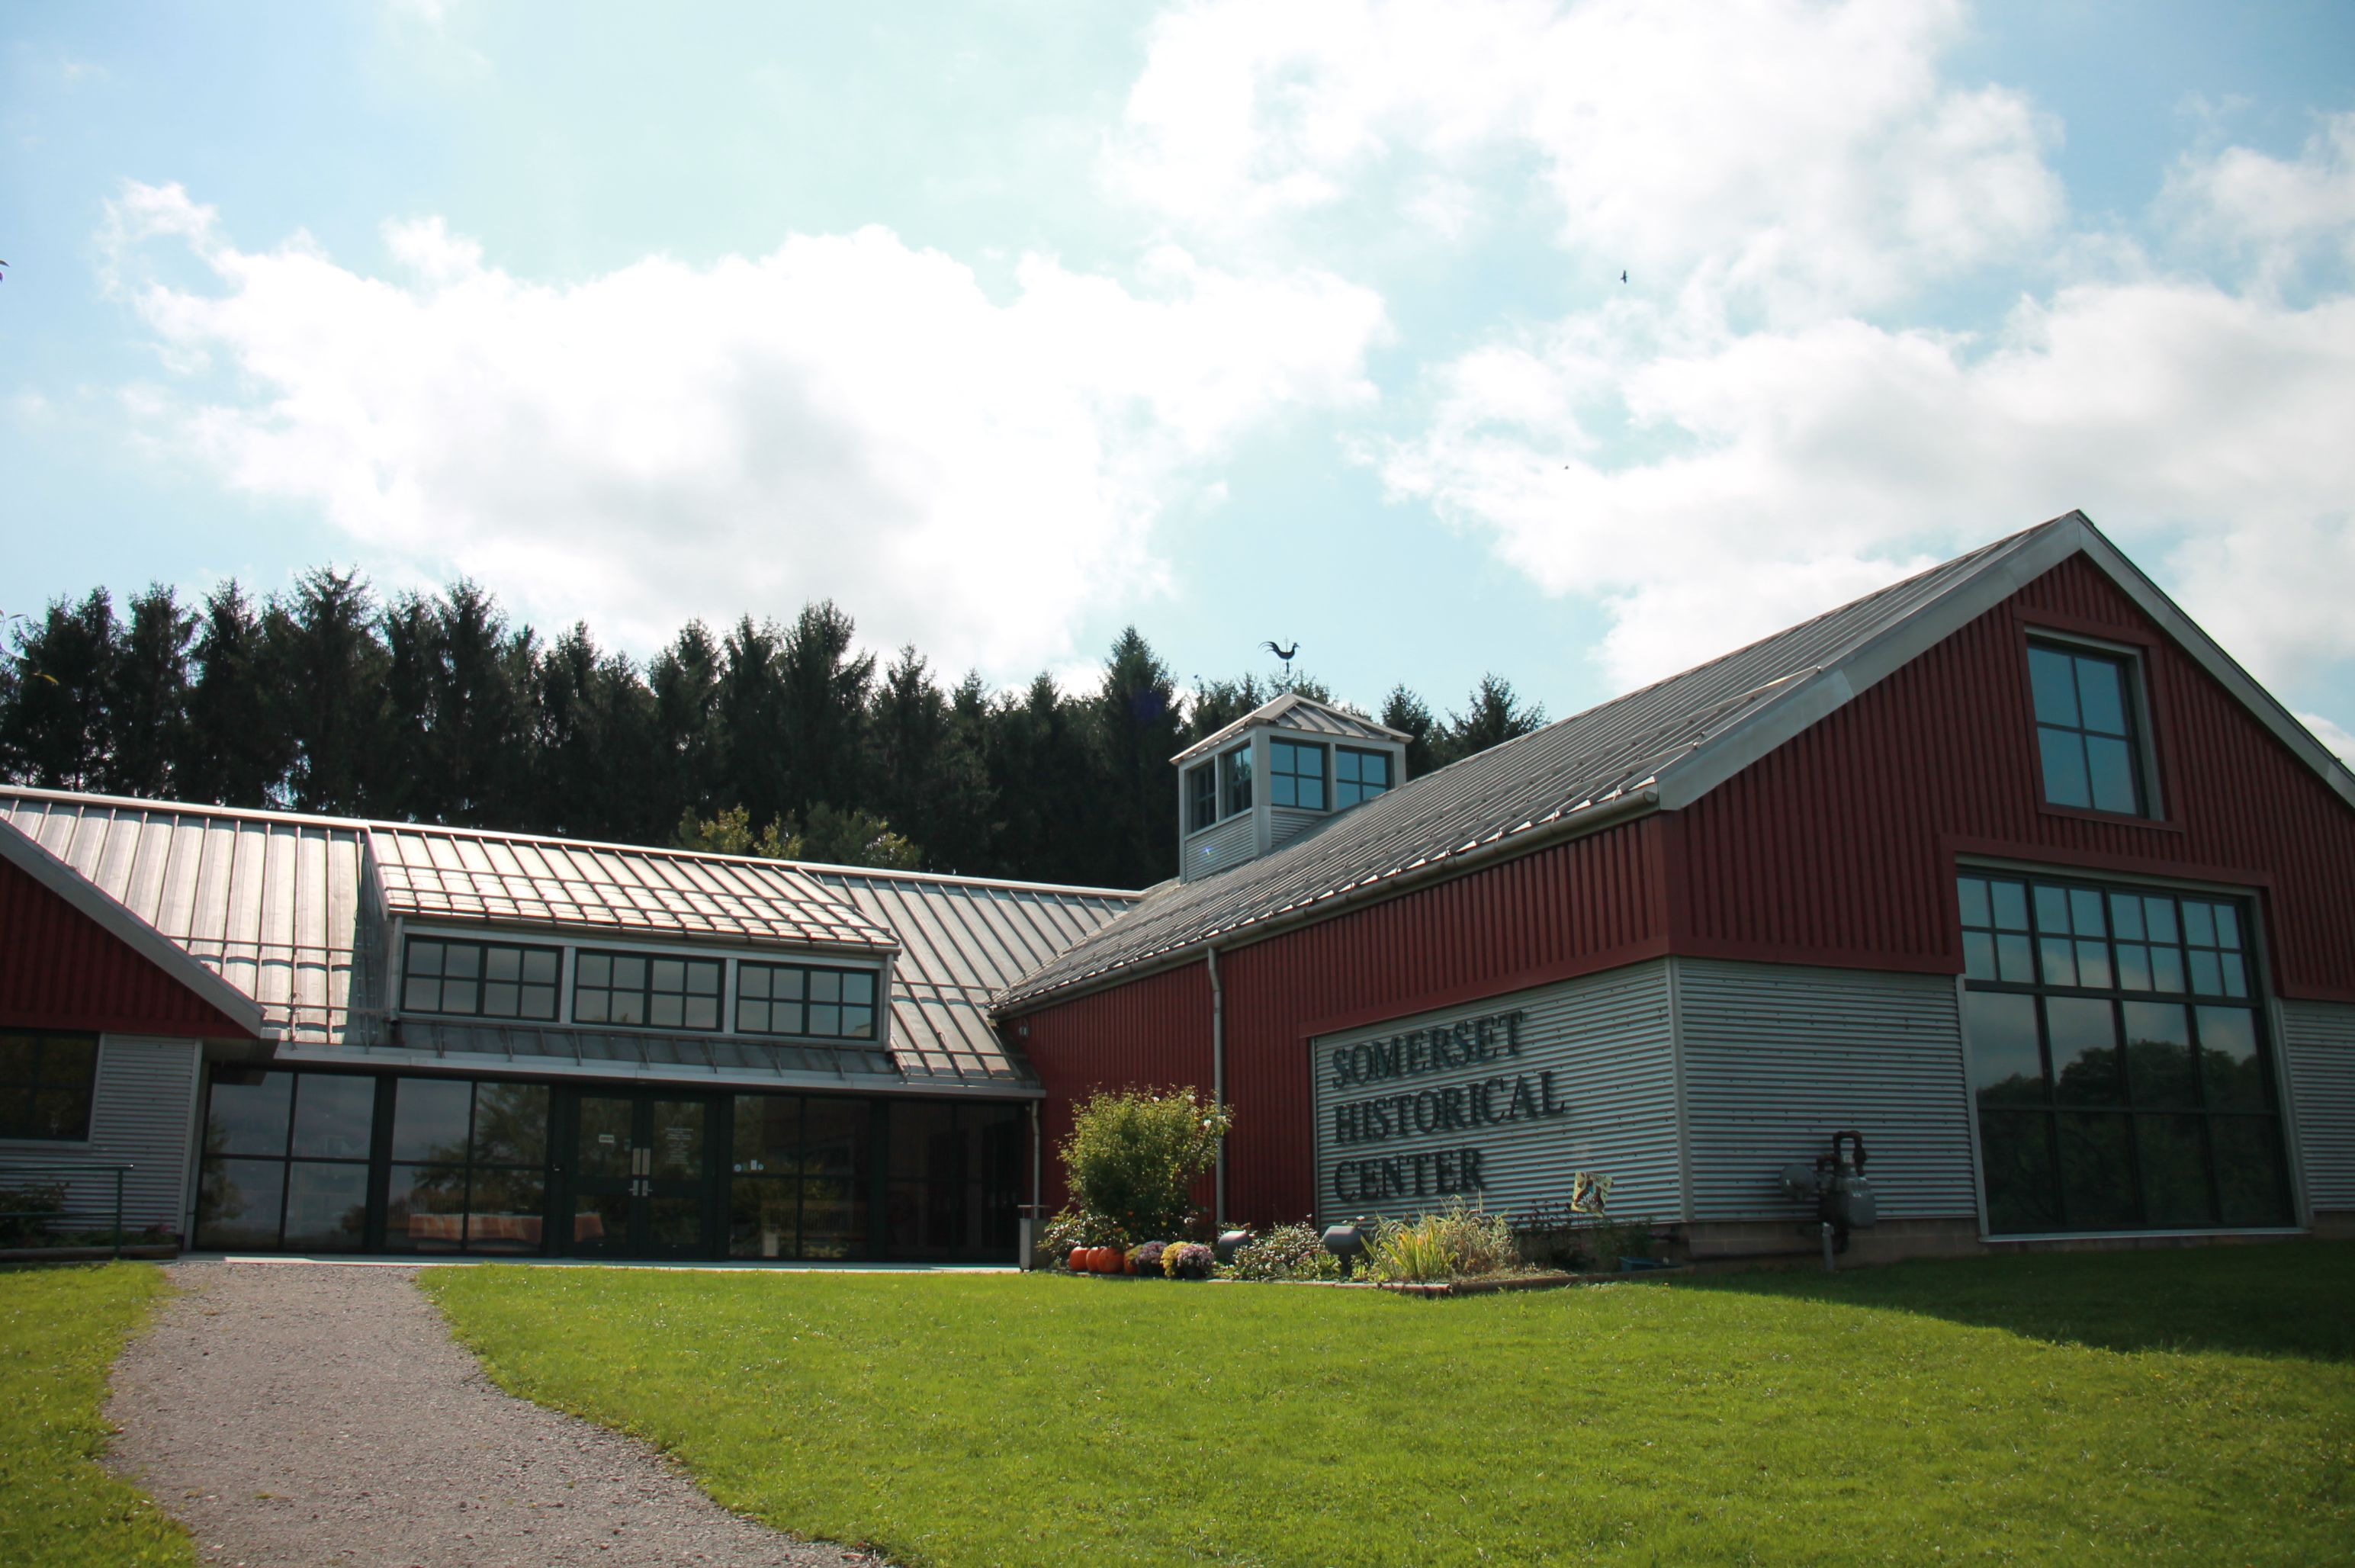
[1623,277]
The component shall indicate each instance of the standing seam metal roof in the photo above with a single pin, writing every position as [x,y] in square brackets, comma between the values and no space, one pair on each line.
[1572,765]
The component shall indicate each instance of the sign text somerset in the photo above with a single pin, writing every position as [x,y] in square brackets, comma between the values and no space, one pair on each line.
[1393,1113]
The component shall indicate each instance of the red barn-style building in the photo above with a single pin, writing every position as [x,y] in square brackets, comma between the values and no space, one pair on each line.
[2008,867]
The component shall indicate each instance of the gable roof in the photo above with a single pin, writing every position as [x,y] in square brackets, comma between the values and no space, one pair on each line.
[86,896]
[1293,711]
[1663,746]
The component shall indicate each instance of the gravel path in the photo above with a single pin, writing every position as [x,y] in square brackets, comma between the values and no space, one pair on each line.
[293,1414]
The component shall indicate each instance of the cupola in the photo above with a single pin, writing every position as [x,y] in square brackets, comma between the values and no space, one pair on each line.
[1280,770]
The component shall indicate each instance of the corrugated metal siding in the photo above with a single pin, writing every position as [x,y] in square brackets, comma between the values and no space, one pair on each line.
[1218,848]
[1606,1039]
[141,1116]
[1776,1059]
[1832,846]
[1287,823]
[60,969]
[1591,904]
[2320,1045]
[1153,1033]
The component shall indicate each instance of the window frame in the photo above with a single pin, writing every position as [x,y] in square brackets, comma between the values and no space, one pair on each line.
[2128,1106]
[1202,796]
[483,946]
[1277,777]
[873,1006]
[1390,775]
[1235,779]
[647,993]
[35,1086]
[2133,660]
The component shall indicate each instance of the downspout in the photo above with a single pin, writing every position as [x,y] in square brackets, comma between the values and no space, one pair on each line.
[1218,1075]
[1038,1189]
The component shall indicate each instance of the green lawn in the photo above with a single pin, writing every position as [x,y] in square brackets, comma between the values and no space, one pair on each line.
[2195,1406]
[61,1329]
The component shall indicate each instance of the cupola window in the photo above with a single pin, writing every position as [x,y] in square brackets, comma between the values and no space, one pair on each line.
[1296,775]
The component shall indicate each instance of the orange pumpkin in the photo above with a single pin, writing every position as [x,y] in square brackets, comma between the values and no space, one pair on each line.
[1107,1260]
[1080,1260]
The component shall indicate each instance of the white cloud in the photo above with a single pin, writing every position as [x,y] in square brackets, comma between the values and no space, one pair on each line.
[845,416]
[2331,735]
[1795,154]
[1754,432]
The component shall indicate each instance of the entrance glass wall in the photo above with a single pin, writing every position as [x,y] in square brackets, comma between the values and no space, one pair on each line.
[305,1160]
[2119,1059]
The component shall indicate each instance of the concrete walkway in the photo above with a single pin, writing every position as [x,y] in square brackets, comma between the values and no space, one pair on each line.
[322,1414]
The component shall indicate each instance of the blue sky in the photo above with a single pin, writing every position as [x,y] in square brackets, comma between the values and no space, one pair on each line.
[1006,325]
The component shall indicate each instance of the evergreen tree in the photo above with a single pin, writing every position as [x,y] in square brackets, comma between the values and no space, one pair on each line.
[482,712]
[596,756]
[1138,728]
[1404,711]
[1043,776]
[238,753]
[685,679]
[147,697]
[927,778]
[1493,715]
[1218,703]
[824,691]
[54,733]
[331,670]
[758,741]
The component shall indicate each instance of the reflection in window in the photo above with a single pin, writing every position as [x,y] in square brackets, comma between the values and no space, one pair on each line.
[1296,775]
[1358,776]
[2118,1060]
[805,999]
[1235,780]
[480,979]
[953,1179]
[469,1166]
[46,1085]
[1201,796]
[799,1178]
[645,990]
[2085,729]
[285,1161]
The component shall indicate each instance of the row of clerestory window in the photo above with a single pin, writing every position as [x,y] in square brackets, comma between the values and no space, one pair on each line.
[518,982]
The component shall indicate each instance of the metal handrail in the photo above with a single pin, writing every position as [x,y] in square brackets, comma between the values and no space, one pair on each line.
[17,1174]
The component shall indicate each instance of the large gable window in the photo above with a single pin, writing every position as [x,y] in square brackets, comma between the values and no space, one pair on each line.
[2119,1059]
[2085,729]
[645,990]
[46,1082]
[1296,775]
[480,979]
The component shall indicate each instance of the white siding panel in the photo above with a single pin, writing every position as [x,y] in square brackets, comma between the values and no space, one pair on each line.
[2320,1045]
[1606,1040]
[1230,843]
[140,1116]
[1777,1059]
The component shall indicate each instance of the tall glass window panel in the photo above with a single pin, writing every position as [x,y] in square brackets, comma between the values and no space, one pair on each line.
[1358,775]
[2084,730]
[239,1203]
[326,1205]
[1235,781]
[248,1111]
[334,1115]
[2163,1109]
[47,1084]
[1201,796]
[1296,775]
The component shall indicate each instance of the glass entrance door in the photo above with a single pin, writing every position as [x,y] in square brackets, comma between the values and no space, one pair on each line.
[639,1186]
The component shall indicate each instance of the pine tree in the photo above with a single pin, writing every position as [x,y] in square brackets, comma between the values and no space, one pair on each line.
[54,733]
[237,751]
[596,756]
[824,691]
[1492,716]
[685,679]
[1138,728]
[147,697]
[1404,711]
[323,651]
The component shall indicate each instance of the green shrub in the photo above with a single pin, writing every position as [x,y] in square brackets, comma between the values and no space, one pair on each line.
[1288,1251]
[1068,1230]
[26,1213]
[1458,1244]
[1133,1156]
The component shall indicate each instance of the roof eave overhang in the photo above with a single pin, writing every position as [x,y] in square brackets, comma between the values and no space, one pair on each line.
[1638,802]
[82,894]
[2035,553]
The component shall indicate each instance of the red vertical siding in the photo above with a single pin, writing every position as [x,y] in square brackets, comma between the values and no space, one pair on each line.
[60,969]
[1586,905]
[1839,845]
